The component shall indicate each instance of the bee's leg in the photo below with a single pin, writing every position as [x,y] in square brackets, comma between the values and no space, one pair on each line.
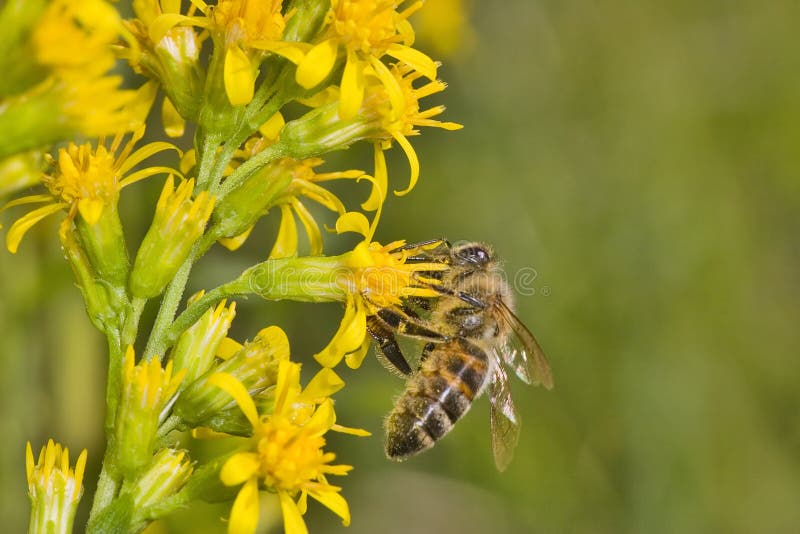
[469,299]
[420,302]
[423,244]
[402,323]
[387,344]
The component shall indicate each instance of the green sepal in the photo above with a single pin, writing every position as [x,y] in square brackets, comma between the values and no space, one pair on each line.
[104,243]
[245,205]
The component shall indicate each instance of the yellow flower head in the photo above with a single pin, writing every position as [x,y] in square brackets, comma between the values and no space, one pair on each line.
[147,385]
[287,453]
[248,21]
[74,41]
[376,276]
[367,30]
[146,389]
[246,29]
[396,107]
[86,180]
[52,473]
[53,487]
[77,35]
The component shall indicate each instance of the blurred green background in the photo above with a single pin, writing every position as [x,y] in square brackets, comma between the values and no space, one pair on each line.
[642,158]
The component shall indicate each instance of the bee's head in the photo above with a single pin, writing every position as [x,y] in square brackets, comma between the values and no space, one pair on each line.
[468,253]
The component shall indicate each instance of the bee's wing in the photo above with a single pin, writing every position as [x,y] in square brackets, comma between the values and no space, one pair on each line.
[522,352]
[503,418]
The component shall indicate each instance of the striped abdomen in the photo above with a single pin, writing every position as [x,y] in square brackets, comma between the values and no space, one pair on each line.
[452,375]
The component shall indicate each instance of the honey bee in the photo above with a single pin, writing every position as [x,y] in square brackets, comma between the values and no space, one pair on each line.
[472,335]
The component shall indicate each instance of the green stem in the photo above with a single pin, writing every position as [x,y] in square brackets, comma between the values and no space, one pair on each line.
[169,305]
[113,381]
[206,166]
[278,150]
[194,312]
[131,326]
[106,491]
[172,422]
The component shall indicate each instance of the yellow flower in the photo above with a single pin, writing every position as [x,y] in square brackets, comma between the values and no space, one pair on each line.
[376,276]
[444,25]
[74,41]
[367,30]
[179,221]
[287,454]
[146,389]
[400,115]
[77,35]
[246,29]
[282,183]
[389,112]
[87,180]
[53,487]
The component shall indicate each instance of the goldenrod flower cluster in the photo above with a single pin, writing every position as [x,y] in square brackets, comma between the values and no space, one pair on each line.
[267,88]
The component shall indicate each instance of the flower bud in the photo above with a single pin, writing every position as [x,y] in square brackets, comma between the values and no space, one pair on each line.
[243,206]
[198,344]
[255,366]
[54,488]
[146,390]
[179,221]
[164,478]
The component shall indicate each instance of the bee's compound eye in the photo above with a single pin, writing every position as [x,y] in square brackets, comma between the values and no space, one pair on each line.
[474,254]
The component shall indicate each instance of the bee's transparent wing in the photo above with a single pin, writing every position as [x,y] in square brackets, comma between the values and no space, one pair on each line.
[503,418]
[522,352]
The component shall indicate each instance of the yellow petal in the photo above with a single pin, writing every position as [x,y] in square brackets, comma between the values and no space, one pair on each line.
[324,417]
[334,502]
[354,359]
[413,162]
[353,221]
[244,513]
[32,199]
[288,384]
[317,64]
[324,384]
[311,227]
[302,502]
[352,92]
[235,389]
[350,430]
[414,59]
[278,341]
[292,520]
[142,154]
[391,86]
[239,467]
[233,243]
[239,76]
[163,23]
[286,243]
[227,348]
[91,209]
[174,125]
[24,223]
[203,432]
[380,182]
[294,52]
[348,337]
[80,466]
[29,463]
[271,129]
